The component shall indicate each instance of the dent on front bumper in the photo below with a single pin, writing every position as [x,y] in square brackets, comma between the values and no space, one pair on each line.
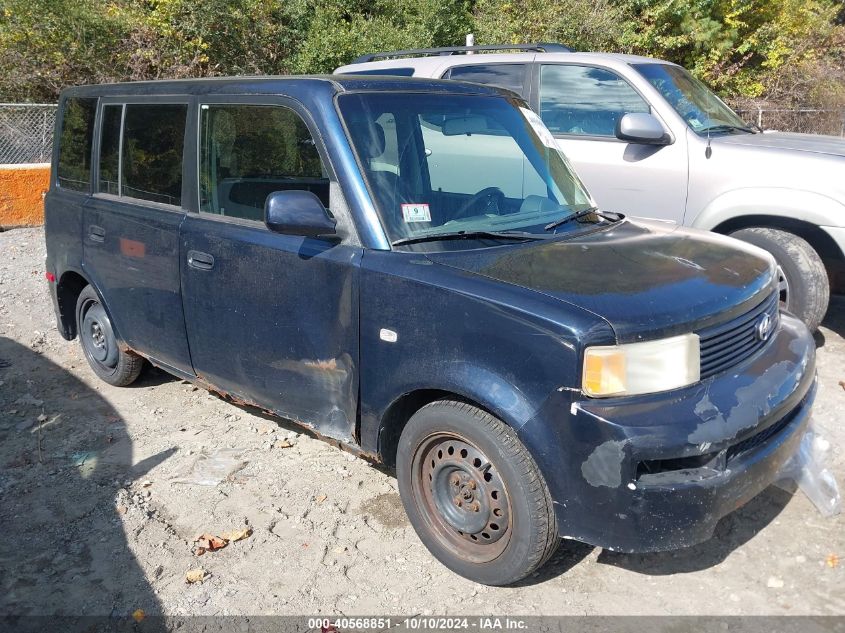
[658,472]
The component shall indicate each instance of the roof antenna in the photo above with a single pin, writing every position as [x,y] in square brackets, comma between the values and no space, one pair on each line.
[709,151]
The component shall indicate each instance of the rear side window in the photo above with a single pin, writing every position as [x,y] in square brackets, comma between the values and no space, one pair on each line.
[249,151]
[585,101]
[110,150]
[510,76]
[153,139]
[74,169]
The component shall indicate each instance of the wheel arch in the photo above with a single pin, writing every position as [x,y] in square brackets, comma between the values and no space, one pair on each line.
[68,288]
[510,411]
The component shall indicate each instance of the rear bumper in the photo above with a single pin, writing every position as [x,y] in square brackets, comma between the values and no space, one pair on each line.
[657,472]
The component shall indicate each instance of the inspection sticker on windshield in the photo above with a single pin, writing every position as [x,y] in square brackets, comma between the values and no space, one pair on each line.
[416,213]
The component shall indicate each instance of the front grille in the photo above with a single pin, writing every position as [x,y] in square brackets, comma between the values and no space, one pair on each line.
[727,344]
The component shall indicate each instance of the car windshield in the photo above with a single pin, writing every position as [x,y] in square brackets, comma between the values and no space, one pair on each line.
[703,111]
[439,164]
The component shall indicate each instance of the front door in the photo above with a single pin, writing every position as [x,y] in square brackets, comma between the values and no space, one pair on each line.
[581,106]
[272,319]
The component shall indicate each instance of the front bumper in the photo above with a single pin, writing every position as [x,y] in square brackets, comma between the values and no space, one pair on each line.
[657,472]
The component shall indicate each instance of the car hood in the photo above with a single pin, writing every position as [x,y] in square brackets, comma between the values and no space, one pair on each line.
[815,143]
[647,279]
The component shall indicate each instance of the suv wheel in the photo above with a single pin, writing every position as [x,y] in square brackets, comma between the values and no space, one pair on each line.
[803,283]
[109,362]
[474,494]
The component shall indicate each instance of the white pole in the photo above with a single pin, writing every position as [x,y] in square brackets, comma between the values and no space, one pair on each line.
[470,41]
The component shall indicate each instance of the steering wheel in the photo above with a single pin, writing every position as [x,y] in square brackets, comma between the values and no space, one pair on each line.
[493,196]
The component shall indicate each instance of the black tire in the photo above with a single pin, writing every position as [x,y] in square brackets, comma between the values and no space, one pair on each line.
[100,345]
[483,510]
[804,286]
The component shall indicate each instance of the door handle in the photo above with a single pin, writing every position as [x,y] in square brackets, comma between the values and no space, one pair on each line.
[200,260]
[96,233]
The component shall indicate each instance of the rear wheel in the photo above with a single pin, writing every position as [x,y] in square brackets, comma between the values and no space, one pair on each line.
[99,343]
[474,494]
[803,283]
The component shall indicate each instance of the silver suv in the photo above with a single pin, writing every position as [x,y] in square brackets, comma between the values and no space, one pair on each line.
[650,140]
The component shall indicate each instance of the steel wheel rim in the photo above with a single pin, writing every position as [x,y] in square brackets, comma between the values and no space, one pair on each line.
[97,339]
[463,497]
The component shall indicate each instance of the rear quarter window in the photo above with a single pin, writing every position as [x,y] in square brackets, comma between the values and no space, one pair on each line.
[510,76]
[75,141]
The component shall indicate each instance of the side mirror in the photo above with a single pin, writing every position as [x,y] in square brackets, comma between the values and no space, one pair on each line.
[297,213]
[641,127]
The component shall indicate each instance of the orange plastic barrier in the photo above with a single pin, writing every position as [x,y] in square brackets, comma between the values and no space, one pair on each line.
[22,189]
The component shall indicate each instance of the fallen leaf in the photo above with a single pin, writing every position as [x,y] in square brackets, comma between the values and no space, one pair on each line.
[146,484]
[196,575]
[210,542]
[138,615]
[120,509]
[200,551]
[283,444]
[842,383]
[832,561]
[322,498]
[236,535]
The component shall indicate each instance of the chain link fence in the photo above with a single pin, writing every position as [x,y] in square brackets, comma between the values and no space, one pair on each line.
[805,120]
[26,132]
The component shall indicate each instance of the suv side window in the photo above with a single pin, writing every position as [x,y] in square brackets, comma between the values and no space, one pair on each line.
[74,168]
[585,101]
[510,76]
[249,151]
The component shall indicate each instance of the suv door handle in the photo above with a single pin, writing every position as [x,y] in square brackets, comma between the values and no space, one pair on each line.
[200,260]
[96,233]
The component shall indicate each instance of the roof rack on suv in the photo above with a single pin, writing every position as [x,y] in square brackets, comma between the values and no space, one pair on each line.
[540,47]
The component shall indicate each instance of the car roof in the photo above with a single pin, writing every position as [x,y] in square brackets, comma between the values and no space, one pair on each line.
[274,84]
[428,63]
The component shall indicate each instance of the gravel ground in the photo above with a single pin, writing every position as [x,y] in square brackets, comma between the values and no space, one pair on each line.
[94,521]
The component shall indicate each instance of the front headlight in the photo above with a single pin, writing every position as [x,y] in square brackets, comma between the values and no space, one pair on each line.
[633,368]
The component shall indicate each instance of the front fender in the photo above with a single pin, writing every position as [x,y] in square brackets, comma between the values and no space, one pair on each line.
[793,204]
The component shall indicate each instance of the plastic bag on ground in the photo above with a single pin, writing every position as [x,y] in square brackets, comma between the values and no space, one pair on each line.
[210,469]
[807,468]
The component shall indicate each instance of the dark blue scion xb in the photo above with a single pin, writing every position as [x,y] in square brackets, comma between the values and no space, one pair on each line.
[413,271]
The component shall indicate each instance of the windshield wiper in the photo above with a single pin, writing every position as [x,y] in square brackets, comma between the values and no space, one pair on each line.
[577,215]
[469,235]
[727,128]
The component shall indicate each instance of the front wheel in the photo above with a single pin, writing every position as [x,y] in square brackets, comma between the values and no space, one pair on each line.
[803,283]
[474,494]
[113,365]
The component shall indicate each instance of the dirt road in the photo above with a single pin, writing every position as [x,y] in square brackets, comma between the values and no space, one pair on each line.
[92,519]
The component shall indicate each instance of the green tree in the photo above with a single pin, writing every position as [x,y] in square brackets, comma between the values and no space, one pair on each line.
[46,45]
[343,29]
[594,25]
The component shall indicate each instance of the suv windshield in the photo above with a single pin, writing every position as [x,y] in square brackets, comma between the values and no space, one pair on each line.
[703,111]
[444,164]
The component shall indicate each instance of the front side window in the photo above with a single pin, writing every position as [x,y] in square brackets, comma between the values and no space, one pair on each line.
[703,111]
[153,139]
[585,101]
[249,151]
[75,141]
[510,76]
[445,163]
